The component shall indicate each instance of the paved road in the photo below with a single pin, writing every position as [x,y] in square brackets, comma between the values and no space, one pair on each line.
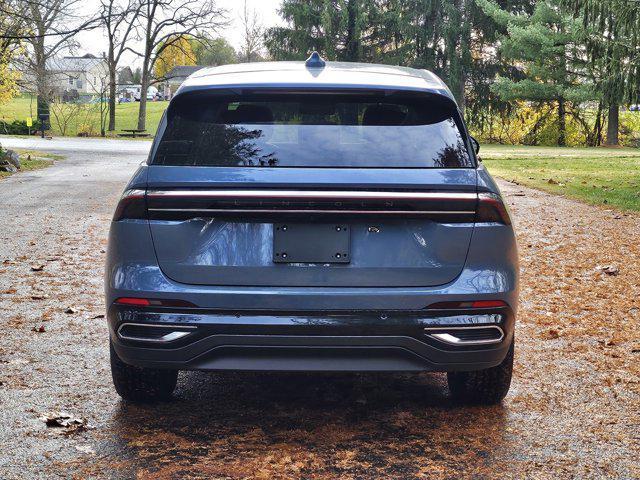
[572,412]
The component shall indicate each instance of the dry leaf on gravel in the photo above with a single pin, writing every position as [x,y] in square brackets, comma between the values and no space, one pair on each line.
[608,269]
[88,449]
[553,333]
[64,420]
[37,268]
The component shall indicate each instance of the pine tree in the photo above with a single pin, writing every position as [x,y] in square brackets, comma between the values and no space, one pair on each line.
[335,28]
[612,42]
[546,46]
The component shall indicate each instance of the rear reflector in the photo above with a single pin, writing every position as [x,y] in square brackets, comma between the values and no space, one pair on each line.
[488,304]
[491,209]
[468,304]
[153,302]
[139,302]
[132,204]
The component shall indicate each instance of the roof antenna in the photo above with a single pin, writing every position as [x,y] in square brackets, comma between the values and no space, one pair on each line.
[315,61]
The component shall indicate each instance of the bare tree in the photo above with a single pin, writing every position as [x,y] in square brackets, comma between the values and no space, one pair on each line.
[11,26]
[252,34]
[162,24]
[51,26]
[119,23]
[100,88]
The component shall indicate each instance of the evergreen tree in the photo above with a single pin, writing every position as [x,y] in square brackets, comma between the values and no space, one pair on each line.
[546,44]
[449,37]
[335,28]
[612,42]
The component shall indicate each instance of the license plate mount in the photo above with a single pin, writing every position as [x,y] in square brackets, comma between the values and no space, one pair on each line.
[311,243]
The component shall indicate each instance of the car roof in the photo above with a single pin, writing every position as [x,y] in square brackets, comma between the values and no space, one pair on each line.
[338,75]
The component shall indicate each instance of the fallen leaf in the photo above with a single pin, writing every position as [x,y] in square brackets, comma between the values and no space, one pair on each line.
[64,420]
[551,181]
[37,268]
[608,269]
[88,449]
[10,291]
[553,333]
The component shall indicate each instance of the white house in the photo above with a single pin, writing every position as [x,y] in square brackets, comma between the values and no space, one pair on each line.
[87,75]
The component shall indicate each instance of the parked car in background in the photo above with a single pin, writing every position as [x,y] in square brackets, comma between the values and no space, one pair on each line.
[312,216]
[151,93]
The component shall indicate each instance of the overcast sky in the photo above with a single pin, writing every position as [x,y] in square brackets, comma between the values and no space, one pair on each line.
[94,41]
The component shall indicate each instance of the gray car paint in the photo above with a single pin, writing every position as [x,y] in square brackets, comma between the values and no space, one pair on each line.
[489,269]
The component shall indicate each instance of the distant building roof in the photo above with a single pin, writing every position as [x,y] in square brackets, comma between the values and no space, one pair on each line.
[180,72]
[73,64]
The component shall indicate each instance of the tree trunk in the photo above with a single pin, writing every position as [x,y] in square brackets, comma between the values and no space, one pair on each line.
[112,96]
[144,86]
[352,43]
[42,90]
[613,126]
[562,123]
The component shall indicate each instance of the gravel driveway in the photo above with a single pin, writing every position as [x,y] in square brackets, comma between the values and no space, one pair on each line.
[573,411]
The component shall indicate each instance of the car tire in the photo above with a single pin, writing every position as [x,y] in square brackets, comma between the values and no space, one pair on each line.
[485,387]
[142,385]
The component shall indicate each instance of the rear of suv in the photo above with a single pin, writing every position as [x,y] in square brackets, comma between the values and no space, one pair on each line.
[312,217]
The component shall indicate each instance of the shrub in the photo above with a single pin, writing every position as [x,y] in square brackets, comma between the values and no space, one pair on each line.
[86,130]
[18,127]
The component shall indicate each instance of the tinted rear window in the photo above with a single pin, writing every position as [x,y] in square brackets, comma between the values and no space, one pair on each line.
[312,130]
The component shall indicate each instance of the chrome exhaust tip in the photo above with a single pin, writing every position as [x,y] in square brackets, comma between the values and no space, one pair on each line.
[144,332]
[467,335]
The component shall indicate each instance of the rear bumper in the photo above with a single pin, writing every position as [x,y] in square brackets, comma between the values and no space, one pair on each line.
[307,341]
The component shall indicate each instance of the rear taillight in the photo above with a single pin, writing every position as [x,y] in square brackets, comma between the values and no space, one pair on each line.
[153,302]
[132,204]
[491,209]
[468,304]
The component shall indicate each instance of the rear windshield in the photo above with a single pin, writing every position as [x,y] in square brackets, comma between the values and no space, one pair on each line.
[312,130]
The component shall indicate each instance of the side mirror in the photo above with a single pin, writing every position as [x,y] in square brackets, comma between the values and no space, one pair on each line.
[476,145]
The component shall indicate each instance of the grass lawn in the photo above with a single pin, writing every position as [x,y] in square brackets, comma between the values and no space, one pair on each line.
[32,160]
[88,118]
[600,176]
